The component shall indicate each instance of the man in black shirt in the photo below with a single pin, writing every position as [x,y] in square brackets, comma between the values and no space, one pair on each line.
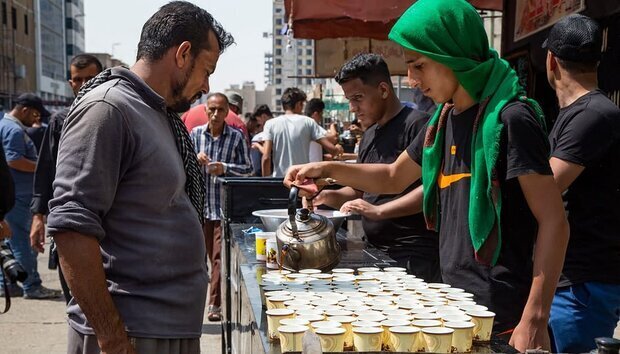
[83,68]
[488,186]
[387,219]
[585,148]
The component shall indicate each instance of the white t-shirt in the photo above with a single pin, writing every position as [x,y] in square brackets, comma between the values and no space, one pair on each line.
[316,152]
[291,135]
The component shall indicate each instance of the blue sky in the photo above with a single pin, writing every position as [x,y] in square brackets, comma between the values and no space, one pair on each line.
[114,26]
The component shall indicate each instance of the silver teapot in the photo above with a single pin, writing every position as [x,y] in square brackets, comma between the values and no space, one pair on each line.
[307,240]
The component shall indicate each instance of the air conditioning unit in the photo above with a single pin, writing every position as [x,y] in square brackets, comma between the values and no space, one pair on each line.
[20,71]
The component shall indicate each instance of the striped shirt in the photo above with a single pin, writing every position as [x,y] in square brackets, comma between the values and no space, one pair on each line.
[231,149]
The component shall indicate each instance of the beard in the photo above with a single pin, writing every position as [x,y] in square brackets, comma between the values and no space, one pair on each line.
[182,103]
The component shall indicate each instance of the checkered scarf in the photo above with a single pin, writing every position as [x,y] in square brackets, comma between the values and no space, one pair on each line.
[194,182]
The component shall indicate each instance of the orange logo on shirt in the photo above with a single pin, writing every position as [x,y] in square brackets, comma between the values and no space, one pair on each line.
[453,149]
[445,181]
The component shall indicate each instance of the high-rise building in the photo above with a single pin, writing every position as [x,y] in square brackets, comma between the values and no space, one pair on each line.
[74,28]
[60,36]
[293,59]
[17,50]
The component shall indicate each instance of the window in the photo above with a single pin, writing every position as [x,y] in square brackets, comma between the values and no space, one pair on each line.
[308,41]
[309,51]
[279,10]
[308,61]
[300,52]
[278,51]
[278,71]
[278,81]
[308,81]
[14,17]
[278,41]
[278,61]
[300,81]
[308,71]
[299,62]
[4,14]
[26,23]
[299,72]
[278,91]
[278,21]
[278,103]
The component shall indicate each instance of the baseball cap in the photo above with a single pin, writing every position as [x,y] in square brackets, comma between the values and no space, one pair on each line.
[575,38]
[234,98]
[32,101]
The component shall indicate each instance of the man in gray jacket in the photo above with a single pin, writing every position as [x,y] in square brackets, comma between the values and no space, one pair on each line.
[128,194]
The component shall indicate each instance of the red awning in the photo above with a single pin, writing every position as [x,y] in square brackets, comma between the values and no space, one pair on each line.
[319,19]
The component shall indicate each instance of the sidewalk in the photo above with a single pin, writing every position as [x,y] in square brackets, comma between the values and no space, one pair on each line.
[39,326]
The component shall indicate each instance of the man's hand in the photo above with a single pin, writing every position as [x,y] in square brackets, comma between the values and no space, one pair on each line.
[203,159]
[297,174]
[5,230]
[37,233]
[530,335]
[362,207]
[259,147]
[216,168]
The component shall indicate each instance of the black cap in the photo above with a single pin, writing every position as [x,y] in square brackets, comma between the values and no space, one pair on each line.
[575,38]
[33,101]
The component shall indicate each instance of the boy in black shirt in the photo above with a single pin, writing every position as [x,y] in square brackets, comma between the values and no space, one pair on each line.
[483,159]
[388,220]
[585,148]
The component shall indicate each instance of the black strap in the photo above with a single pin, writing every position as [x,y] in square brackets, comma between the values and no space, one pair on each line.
[7,296]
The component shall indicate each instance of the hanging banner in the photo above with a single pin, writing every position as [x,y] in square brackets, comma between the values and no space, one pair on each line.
[332,53]
[535,15]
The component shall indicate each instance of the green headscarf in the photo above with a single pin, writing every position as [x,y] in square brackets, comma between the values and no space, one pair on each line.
[451,32]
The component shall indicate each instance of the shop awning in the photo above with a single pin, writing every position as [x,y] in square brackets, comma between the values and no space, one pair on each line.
[319,19]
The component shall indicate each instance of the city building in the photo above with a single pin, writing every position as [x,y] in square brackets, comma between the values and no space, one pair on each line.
[17,50]
[292,59]
[74,29]
[107,61]
[252,97]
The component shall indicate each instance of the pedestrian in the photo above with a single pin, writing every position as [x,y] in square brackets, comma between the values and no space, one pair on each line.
[483,158]
[83,67]
[7,195]
[585,146]
[21,157]
[388,220]
[262,113]
[290,134]
[129,194]
[222,151]
[314,109]
[198,115]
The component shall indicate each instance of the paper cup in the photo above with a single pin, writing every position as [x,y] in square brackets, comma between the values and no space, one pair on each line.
[437,339]
[438,285]
[483,321]
[426,316]
[343,271]
[261,244]
[346,323]
[394,269]
[290,338]
[273,322]
[367,339]
[426,323]
[332,339]
[272,253]
[473,308]
[386,344]
[462,336]
[309,271]
[310,317]
[294,322]
[456,318]
[367,269]
[404,339]
[277,302]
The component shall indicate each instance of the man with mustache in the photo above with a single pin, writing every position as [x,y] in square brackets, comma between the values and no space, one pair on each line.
[129,194]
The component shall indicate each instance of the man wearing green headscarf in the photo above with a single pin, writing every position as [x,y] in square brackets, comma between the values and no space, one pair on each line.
[483,160]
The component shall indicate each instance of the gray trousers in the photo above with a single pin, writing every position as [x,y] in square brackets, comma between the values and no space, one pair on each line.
[84,344]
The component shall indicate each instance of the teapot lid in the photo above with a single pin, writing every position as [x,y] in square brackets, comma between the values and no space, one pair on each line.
[308,225]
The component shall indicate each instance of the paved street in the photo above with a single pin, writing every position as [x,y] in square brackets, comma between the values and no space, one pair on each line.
[39,326]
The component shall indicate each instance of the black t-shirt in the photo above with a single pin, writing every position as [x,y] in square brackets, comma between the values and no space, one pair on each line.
[587,133]
[503,288]
[383,144]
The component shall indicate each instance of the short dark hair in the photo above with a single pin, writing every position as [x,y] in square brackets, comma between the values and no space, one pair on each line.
[314,105]
[291,96]
[262,109]
[176,22]
[370,68]
[220,95]
[575,67]
[82,61]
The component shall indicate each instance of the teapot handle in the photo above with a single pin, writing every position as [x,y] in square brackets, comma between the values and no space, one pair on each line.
[292,203]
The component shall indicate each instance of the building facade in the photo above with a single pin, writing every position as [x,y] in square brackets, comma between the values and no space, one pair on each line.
[74,29]
[17,50]
[292,59]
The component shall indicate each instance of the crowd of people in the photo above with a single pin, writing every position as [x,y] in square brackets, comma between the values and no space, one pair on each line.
[523,216]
